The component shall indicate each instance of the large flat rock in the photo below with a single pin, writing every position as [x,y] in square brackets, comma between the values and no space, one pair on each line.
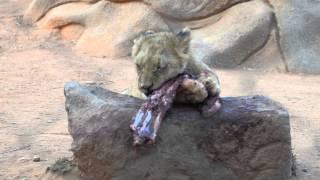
[248,139]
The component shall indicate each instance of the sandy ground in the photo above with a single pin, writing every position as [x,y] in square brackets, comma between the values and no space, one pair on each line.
[34,65]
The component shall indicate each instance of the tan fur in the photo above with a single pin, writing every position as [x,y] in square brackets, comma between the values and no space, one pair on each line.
[164,55]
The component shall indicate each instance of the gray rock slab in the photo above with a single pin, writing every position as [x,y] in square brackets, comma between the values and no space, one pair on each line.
[248,139]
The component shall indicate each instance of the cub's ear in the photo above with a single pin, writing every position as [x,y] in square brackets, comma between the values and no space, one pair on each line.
[138,40]
[143,34]
[184,32]
[184,38]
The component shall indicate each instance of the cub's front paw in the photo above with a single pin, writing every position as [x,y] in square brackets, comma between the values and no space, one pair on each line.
[191,91]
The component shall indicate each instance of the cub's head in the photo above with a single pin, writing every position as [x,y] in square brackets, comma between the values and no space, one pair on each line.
[159,57]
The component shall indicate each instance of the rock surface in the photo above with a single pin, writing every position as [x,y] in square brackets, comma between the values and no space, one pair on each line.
[107,30]
[190,9]
[228,33]
[269,58]
[74,174]
[299,25]
[38,8]
[248,139]
[235,36]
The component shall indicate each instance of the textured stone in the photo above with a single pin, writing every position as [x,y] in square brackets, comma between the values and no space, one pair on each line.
[267,59]
[249,138]
[74,174]
[121,1]
[299,25]
[38,8]
[190,9]
[72,31]
[240,32]
[63,16]
[107,29]
[227,33]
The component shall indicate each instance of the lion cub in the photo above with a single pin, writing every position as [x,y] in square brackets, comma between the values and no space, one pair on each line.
[161,56]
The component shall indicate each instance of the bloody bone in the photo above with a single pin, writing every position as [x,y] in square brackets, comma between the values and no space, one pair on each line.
[145,124]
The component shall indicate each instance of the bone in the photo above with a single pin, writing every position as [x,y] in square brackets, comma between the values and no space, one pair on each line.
[146,123]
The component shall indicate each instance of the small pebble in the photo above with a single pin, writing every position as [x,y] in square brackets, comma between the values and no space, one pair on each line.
[36,158]
[23,159]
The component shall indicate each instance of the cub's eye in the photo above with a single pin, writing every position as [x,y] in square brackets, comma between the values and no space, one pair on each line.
[160,68]
[157,68]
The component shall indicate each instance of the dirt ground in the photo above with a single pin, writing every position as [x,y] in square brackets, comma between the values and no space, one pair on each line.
[35,64]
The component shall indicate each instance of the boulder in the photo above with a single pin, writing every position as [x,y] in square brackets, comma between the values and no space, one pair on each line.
[299,28]
[227,33]
[269,58]
[248,139]
[240,32]
[107,30]
[38,8]
[190,9]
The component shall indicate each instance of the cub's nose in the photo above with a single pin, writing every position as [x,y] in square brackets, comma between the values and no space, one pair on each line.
[146,90]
